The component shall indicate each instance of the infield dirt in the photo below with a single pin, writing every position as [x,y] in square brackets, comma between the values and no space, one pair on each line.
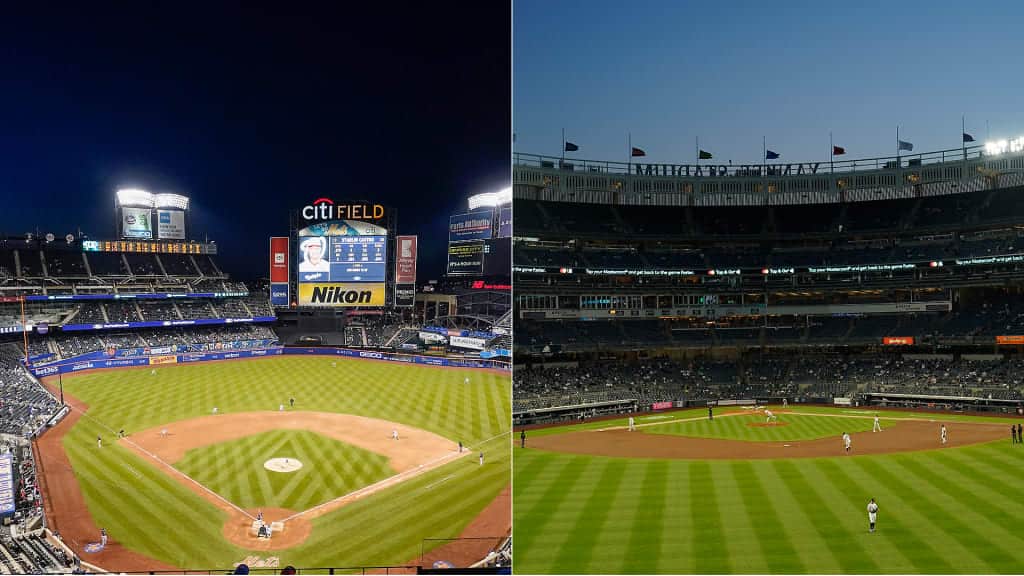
[899,436]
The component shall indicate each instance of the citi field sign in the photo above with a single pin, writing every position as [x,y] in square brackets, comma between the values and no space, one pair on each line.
[326,209]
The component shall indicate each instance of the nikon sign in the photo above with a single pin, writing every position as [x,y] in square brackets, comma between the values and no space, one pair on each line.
[336,294]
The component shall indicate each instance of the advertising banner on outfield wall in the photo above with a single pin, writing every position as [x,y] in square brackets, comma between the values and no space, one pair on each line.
[898,341]
[163,360]
[1009,339]
[170,224]
[661,405]
[341,294]
[463,342]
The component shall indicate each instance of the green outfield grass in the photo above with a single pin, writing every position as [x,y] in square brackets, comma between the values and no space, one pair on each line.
[787,427]
[943,511]
[146,510]
[329,469]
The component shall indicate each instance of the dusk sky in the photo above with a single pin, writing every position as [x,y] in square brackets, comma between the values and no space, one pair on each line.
[252,110]
[732,72]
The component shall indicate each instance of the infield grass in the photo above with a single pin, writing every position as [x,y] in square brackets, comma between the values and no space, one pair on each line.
[941,511]
[754,428]
[146,510]
[330,468]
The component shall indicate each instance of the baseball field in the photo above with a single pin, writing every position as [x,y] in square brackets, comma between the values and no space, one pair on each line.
[182,487]
[683,494]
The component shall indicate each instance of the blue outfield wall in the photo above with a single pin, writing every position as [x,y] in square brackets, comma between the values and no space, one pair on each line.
[78,364]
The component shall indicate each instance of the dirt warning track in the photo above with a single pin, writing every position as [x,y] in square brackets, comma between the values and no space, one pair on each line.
[899,436]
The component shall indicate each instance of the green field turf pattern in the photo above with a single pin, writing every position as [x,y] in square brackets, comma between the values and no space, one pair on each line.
[146,510]
[942,511]
[330,468]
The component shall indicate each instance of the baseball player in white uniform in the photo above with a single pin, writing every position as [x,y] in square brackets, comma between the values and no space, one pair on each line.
[769,417]
[280,407]
[846,442]
[466,381]
[99,442]
[394,433]
[632,424]
[163,433]
[942,433]
[214,409]
[878,426]
[872,514]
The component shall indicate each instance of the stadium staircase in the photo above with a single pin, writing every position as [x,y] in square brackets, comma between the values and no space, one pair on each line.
[160,264]
[248,311]
[88,268]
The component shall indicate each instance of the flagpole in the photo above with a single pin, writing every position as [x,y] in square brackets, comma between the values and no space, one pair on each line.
[629,161]
[963,130]
[563,147]
[697,149]
[897,146]
[831,154]
[764,151]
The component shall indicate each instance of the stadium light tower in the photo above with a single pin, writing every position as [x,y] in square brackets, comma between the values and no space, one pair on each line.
[488,199]
[134,197]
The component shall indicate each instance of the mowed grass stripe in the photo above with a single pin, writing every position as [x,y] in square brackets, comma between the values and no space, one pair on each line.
[897,521]
[989,517]
[962,538]
[1005,488]
[775,543]
[708,540]
[555,495]
[741,542]
[819,534]
[591,521]
[647,534]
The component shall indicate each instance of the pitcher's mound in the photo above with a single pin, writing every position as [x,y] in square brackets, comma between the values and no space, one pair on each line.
[282,464]
[767,424]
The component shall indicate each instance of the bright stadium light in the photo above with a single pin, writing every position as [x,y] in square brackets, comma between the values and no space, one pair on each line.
[490,199]
[134,197]
[172,201]
[997,147]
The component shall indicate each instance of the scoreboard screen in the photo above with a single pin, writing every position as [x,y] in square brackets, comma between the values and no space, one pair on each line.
[342,263]
[342,258]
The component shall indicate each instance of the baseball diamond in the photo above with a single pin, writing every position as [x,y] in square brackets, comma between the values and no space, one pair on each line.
[687,495]
[184,486]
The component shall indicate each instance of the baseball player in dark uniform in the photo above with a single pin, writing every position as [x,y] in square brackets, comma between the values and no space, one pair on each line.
[522,439]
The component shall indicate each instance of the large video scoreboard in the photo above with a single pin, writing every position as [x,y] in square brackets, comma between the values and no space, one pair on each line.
[342,263]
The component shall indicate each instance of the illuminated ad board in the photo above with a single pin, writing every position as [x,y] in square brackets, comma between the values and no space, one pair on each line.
[405,271]
[339,261]
[470,226]
[280,271]
[466,258]
[170,224]
[505,222]
[136,223]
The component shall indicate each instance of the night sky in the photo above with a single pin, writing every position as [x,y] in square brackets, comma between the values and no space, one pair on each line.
[733,72]
[251,111]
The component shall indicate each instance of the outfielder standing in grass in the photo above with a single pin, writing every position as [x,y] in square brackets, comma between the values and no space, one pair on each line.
[872,515]
[878,427]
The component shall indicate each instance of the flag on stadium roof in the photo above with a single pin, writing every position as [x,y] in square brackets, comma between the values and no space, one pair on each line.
[838,150]
[570,147]
[704,155]
[637,152]
[968,137]
[769,155]
[903,145]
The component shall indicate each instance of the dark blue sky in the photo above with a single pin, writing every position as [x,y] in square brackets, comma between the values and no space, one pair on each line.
[732,72]
[252,110]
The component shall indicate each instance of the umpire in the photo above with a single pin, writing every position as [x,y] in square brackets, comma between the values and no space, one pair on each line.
[522,438]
